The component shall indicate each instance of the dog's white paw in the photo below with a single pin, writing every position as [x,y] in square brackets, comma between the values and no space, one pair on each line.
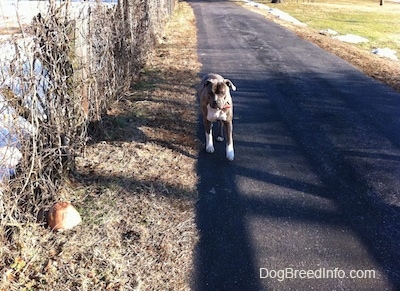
[209,143]
[210,149]
[220,138]
[230,153]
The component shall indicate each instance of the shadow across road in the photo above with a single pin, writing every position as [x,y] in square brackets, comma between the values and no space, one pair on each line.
[294,183]
[315,180]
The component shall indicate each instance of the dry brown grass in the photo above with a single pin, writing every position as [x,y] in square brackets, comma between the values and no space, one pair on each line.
[135,188]
[10,30]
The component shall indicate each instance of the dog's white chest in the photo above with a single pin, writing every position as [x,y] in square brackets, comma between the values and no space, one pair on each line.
[215,114]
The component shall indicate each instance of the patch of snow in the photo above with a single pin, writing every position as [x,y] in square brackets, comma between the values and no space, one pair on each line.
[10,157]
[14,128]
[20,12]
[328,32]
[15,12]
[30,83]
[386,52]
[18,51]
[276,12]
[351,38]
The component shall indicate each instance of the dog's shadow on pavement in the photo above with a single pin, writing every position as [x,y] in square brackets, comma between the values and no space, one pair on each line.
[223,257]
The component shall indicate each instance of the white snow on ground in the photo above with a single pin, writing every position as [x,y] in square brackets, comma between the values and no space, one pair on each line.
[13,128]
[386,52]
[10,157]
[14,13]
[276,12]
[351,38]
[328,32]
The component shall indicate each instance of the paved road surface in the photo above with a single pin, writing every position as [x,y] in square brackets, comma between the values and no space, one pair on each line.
[315,182]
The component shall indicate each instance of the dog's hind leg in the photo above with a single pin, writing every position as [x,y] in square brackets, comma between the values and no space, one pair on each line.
[221,131]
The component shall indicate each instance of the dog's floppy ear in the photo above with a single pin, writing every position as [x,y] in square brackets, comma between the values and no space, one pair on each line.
[230,84]
[207,82]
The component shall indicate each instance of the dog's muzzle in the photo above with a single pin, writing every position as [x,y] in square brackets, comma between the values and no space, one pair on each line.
[216,104]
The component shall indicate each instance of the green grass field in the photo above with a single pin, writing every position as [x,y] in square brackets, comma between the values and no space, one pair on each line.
[379,24]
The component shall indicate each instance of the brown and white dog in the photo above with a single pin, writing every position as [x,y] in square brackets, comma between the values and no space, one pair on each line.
[216,105]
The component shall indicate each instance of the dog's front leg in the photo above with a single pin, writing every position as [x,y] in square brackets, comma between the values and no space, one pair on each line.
[221,131]
[230,153]
[209,136]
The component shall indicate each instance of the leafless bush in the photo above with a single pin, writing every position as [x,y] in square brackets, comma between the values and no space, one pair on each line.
[119,49]
[76,64]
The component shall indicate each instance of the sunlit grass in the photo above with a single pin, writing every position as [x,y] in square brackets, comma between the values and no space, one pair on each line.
[379,24]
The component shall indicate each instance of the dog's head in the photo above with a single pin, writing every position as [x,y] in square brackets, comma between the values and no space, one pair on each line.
[218,92]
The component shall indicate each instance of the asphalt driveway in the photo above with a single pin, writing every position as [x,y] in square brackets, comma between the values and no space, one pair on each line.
[312,199]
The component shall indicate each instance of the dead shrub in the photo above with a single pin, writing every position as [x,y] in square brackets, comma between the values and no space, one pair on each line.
[69,69]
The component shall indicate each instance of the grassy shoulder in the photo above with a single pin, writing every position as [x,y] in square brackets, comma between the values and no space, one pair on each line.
[135,189]
[379,24]
[382,69]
